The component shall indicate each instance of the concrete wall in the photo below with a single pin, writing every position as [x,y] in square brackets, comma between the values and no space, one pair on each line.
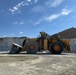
[73,45]
[6,43]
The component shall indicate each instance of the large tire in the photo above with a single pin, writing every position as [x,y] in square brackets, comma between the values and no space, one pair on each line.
[56,48]
[31,47]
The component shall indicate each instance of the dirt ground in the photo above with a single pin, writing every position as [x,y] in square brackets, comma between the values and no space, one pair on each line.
[38,64]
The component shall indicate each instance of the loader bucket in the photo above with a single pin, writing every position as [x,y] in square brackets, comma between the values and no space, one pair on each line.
[15,49]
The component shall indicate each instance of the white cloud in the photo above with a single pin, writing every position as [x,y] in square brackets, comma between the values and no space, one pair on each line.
[49,18]
[53,3]
[36,1]
[56,3]
[15,22]
[12,11]
[26,4]
[21,32]
[29,0]
[52,17]
[16,7]
[65,11]
[19,23]
[38,9]
[38,22]
[48,3]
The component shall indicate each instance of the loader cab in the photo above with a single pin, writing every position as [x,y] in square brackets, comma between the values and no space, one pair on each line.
[43,40]
[43,35]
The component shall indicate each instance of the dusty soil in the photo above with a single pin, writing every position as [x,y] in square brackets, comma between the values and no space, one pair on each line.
[7,59]
[39,64]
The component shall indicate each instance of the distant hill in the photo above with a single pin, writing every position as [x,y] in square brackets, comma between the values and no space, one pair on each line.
[68,33]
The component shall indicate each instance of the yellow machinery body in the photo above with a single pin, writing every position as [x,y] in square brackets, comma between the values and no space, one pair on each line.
[53,44]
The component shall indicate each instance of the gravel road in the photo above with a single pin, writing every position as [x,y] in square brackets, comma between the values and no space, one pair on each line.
[39,64]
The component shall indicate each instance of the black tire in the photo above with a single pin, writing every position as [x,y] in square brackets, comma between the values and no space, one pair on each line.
[34,50]
[59,51]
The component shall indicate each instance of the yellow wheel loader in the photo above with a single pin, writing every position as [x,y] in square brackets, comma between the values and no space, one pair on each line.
[32,45]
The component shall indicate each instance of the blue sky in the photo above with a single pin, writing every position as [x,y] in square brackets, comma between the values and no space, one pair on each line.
[29,17]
